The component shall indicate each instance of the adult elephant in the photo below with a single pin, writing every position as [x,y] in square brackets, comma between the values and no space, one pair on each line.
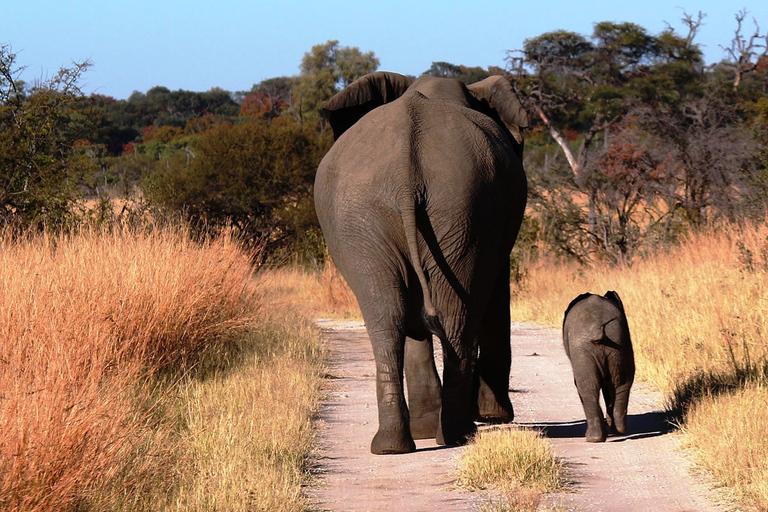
[420,200]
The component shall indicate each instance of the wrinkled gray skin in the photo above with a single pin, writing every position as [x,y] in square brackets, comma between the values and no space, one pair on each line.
[420,200]
[596,339]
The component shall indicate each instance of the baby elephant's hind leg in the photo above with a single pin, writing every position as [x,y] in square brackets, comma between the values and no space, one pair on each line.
[589,393]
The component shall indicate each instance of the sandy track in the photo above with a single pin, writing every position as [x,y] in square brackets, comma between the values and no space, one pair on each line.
[641,471]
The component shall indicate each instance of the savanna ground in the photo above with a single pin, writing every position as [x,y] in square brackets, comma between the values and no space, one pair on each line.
[142,370]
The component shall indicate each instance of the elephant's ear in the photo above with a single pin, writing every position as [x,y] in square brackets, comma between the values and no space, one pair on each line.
[501,97]
[614,297]
[361,96]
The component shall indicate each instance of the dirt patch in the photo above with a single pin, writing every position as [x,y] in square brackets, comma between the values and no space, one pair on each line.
[638,472]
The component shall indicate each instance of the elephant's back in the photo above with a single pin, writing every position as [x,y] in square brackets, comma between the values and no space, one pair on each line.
[592,319]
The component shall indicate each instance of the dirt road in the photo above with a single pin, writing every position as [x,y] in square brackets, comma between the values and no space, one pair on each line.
[642,471]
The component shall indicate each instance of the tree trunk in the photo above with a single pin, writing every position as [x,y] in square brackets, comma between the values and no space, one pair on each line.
[561,141]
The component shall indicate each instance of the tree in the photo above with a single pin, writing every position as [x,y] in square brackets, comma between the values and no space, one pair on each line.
[583,89]
[442,69]
[276,92]
[41,155]
[709,153]
[256,177]
[325,70]
[745,53]
[260,105]
[466,74]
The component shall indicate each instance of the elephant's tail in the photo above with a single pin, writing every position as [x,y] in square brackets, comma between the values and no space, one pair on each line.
[431,317]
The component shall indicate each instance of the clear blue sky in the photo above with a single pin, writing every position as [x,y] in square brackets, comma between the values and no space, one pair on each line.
[233,44]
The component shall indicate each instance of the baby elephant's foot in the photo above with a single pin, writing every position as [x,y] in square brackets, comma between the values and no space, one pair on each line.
[596,433]
[619,426]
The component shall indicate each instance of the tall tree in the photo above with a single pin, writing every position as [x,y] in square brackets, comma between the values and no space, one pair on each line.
[325,70]
[582,88]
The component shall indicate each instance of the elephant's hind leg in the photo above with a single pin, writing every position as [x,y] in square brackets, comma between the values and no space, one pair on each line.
[457,412]
[609,396]
[394,434]
[382,306]
[589,393]
[423,387]
[493,402]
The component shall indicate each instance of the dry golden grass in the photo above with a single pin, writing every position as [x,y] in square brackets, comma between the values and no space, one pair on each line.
[136,375]
[697,315]
[516,462]
[727,435]
[318,293]
[249,430]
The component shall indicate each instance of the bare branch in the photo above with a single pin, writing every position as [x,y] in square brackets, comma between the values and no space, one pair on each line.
[745,52]
[693,25]
[9,76]
[560,139]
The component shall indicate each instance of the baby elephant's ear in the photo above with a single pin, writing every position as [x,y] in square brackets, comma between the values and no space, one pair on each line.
[501,97]
[361,96]
[614,297]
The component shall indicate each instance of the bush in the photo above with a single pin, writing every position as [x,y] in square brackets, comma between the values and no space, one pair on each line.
[85,319]
[256,178]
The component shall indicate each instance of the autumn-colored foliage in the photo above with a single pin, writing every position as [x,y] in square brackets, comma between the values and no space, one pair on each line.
[260,105]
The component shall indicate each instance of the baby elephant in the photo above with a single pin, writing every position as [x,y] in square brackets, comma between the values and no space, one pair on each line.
[596,339]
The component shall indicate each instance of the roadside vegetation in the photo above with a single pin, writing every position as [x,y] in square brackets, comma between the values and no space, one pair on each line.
[516,463]
[144,367]
[142,370]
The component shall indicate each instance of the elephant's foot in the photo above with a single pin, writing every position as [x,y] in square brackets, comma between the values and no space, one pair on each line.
[456,434]
[596,432]
[492,408]
[425,425]
[619,426]
[391,441]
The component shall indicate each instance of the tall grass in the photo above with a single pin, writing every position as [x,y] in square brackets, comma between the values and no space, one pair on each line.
[697,310]
[320,292]
[698,315]
[103,338]
[249,429]
[727,434]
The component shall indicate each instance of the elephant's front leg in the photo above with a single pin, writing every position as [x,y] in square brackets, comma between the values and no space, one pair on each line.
[394,434]
[423,387]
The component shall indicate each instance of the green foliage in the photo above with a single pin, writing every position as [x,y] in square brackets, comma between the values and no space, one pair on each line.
[42,155]
[325,70]
[466,74]
[256,177]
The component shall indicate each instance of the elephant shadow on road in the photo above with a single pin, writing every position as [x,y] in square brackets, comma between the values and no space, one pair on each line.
[640,426]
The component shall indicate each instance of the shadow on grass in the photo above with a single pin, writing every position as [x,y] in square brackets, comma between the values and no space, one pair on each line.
[703,384]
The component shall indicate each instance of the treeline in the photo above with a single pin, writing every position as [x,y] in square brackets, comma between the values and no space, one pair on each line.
[634,140]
